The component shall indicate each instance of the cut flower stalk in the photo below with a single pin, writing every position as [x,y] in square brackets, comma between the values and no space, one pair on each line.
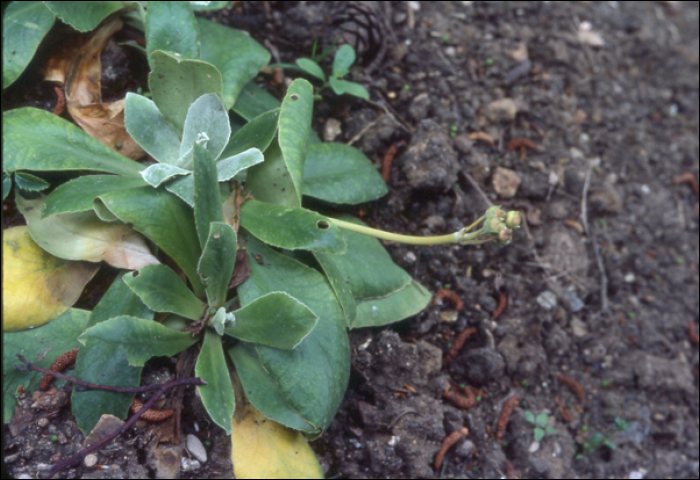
[497,225]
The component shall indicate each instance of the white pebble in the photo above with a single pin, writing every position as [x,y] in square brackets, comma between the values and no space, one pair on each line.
[195,447]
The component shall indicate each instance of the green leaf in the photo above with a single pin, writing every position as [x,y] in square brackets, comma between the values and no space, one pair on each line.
[277,320]
[351,88]
[206,124]
[344,58]
[106,363]
[258,133]
[238,57]
[217,396]
[83,236]
[6,186]
[367,267]
[171,27]
[150,129]
[529,416]
[550,430]
[311,379]
[207,198]
[229,167]
[165,220]
[610,444]
[209,6]
[24,25]
[270,181]
[291,228]
[340,284]
[264,390]
[40,346]
[217,262]
[40,141]
[183,187]
[161,172]
[176,83]
[294,128]
[339,173]
[541,420]
[141,339]
[312,68]
[77,195]
[392,308]
[84,16]
[161,290]
[29,182]
[253,101]
[538,434]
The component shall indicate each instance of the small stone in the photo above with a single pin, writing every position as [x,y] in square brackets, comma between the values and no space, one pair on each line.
[629,277]
[575,303]
[195,447]
[505,182]
[547,300]
[189,465]
[534,446]
[449,316]
[464,449]
[579,327]
[501,110]
[90,460]
[331,129]
[43,422]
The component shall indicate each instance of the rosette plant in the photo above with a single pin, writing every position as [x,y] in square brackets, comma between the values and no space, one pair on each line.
[219,253]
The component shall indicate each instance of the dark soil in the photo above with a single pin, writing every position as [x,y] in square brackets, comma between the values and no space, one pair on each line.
[601,286]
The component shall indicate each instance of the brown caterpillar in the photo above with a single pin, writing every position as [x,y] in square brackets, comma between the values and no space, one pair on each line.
[575,387]
[449,440]
[61,363]
[151,415]
[506,412]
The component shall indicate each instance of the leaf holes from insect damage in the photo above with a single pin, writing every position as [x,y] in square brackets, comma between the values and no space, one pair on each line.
[323,224]
[216,235]
[294,97]
[135,273]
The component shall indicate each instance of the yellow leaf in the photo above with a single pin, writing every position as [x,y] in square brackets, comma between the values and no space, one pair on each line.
[36,286]
[263,448]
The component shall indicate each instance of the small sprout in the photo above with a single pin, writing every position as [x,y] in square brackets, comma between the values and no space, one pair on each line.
[525,384]
[604,383]
[54,438]
[406,87]
[445,38]
[679,261]
[631,315]
[488,62]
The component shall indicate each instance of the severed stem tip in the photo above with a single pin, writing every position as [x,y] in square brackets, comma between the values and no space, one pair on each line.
[497,226]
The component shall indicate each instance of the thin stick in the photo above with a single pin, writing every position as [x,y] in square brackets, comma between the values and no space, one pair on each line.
[476,187]
[594,240]
[81,454]
[109,388]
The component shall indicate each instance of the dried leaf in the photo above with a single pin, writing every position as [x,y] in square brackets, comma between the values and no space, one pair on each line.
[83,236]
[78,66]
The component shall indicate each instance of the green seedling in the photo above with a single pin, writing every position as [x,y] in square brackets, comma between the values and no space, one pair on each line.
[343,60]
[219,257]
[598,439]
[540,424]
